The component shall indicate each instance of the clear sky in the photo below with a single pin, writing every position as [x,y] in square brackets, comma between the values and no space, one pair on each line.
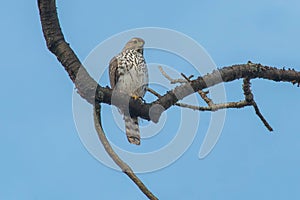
[42,156]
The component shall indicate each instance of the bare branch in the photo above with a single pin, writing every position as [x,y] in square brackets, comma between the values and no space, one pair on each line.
[180,104]
[91,91]
[186,80]
[211,105]
[86,86]
[249,101]
[247,91]
[216,107]
[249,97]
[172,81]
[153,92]
[202,94]
[124,167]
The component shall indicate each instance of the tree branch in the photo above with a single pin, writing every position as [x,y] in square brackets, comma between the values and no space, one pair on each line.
[249,98]
[89,89]
[172,81]
[124,167]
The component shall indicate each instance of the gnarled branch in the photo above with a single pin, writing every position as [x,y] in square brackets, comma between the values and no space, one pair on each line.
[89,89]
[86,86]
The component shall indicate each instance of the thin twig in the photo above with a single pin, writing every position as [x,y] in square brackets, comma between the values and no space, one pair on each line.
[187,80]
[216,107]
[258,113]
[124,167]
[202,94]
[153,92]
[180,104]
[172,81]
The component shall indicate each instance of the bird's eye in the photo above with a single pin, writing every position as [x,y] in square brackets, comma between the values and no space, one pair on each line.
[135,41]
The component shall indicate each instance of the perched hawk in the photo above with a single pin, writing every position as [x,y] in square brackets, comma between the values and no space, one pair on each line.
[128,74]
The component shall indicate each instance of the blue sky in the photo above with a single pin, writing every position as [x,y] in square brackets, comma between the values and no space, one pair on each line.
[42,156]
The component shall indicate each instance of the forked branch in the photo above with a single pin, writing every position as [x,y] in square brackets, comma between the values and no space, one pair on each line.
[95,94]
[89,89]
[248,101]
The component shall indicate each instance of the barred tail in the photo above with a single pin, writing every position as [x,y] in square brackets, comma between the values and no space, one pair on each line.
[132,130]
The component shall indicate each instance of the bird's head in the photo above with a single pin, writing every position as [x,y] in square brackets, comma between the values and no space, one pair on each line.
[136,44]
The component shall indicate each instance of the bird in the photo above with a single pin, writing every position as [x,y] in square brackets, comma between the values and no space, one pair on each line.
[128,74]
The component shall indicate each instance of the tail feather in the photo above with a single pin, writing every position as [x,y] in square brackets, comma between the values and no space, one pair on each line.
[132,130]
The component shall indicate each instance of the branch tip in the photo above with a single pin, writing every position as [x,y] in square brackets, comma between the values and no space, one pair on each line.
[124,167]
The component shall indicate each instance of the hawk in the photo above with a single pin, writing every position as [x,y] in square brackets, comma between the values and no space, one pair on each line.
[128,74]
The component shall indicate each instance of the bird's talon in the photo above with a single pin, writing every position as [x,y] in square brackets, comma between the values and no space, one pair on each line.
[135,97]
